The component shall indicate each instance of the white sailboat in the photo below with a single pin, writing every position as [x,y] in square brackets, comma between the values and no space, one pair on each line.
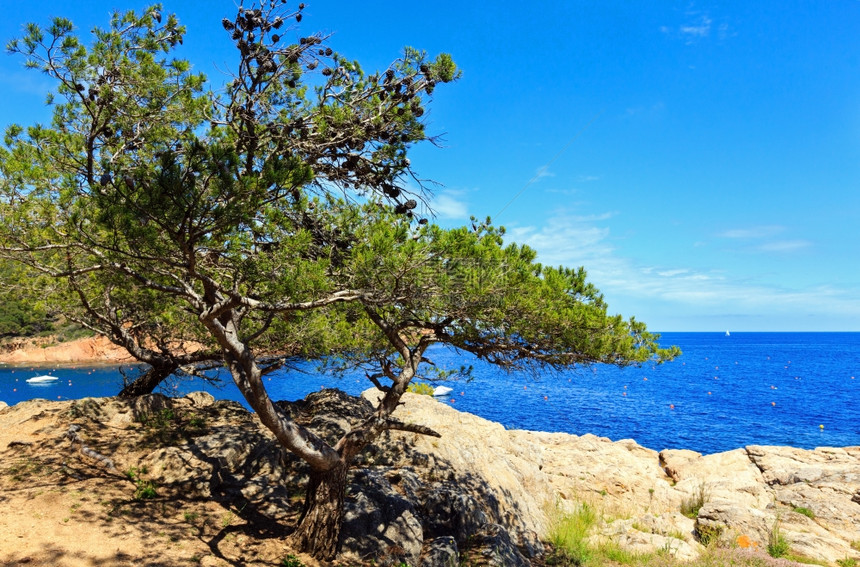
[728,334]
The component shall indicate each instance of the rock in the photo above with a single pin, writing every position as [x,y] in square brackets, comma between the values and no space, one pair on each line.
[181,471]
[725,521]
[480,490]
[440,552]
[379,522]
[448,511]
[494,546]
[3,405]
[674,461]
[201,399]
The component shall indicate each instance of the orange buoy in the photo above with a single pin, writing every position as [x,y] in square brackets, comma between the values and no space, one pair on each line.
[773,403]
[671,406]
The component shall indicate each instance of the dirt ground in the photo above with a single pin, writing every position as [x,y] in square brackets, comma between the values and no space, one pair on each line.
[62,508]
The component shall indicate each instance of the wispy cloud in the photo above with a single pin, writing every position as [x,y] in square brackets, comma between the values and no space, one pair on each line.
[699,29]
[697,26]
[450,205]
[762,239]
[585,240]
[764,231]
[543,171]
[784,246]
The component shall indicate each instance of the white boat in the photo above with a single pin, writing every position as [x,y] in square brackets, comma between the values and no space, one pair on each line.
[728,334]
[42,379]
[442,390]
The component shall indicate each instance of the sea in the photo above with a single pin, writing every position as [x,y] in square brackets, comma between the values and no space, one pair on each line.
[724,392]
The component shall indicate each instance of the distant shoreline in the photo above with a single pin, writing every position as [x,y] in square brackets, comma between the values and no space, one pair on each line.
[96,350]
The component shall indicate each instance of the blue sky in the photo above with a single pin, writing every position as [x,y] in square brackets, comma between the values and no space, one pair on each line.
[700,159]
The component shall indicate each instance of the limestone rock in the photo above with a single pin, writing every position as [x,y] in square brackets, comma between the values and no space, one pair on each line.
[440,552]
[449,511]
[674,461]
[726,521]
[492,546]
[380,522]
[201,399]
[480,490]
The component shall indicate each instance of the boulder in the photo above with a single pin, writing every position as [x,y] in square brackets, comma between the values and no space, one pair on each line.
[440,552]
[493,546]
[726,521]
[449,511]
[200,399]
[379,522]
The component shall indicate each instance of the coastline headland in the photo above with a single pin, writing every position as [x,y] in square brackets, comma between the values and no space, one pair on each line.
[479,486]
[88,350]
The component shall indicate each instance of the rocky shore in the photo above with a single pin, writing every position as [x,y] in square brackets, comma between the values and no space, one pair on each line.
[480,491]
[87,350]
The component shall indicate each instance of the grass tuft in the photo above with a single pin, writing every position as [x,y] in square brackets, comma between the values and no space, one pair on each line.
[690,506]
[569,535]
[777,545]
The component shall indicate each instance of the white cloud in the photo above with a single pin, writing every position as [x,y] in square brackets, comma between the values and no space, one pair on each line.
[764,235]
[450,205]
[784,246]
[701,28]
[764,231]
[584,240]
[543,171]
[671,273]
[698,26]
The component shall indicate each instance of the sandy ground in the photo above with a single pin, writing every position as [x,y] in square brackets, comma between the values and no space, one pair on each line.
[61,508]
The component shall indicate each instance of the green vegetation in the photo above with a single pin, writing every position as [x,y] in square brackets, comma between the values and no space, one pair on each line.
[847,562]
[292,561]
[777,544]
[805,511]
[420,388]
[144,489]
[569,536]
[278,214]
[690,506]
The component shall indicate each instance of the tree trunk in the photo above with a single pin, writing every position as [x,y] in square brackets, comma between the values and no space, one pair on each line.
[147,382]
[318,532]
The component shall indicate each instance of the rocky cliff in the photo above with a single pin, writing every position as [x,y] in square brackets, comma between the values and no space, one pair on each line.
[480,489]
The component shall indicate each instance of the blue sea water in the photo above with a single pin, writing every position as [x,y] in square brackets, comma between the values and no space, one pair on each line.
[724,392]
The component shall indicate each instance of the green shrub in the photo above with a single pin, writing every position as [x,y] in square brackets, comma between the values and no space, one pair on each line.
[777,545]
[805,511]
[708,534]
[420,388]
[690,506]
[292,561]
[569,534]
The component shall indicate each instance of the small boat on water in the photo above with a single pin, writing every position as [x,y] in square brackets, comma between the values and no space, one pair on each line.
[442,390]
[728,334]
[42,379]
